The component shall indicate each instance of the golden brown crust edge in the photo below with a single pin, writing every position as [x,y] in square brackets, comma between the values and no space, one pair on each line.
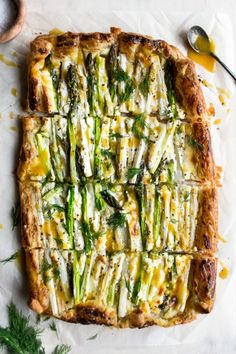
[203,157]
[204,272]
[186,82]
[201,299]
[30,228]
[206,235]
[38,292]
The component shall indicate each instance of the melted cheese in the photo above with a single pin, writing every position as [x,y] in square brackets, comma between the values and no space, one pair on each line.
[40,165]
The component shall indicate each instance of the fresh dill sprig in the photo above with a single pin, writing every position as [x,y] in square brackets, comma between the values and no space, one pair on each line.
[53,326]
[107,153]
[133,171]
[144,86]
[186,196]
[93,337]
[116,135]
[116,220]
[22,338]
[128,287]
[138,126]
[13,257]
[121,76]
[15,215]
[192,142]
[62,349]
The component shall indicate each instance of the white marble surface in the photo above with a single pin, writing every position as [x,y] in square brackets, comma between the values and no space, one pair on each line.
[213,334]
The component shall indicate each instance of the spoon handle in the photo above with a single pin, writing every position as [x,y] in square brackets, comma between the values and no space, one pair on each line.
[223,64]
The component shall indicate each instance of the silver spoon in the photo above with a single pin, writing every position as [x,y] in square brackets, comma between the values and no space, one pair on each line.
[196,32]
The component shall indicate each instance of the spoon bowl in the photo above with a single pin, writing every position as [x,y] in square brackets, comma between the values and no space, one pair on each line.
[199,40]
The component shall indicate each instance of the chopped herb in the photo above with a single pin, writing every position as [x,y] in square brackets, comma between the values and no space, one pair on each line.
[45,267]
[62,349]
[127,284]
[186,196]
[88,236]
[136,289]
[93,337]
[46,179]
[162,165]
[53,326]
[138,126]
[170,171]
[174,267]
[133,171]
[20,337]
[13,257]
[99,201]
[116,135]
[192,142]
[15,215]
[110,200]
[116,220]
[121,76]
[107,153]
[56,271]
[144,86]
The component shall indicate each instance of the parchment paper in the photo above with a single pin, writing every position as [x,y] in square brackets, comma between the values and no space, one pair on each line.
[214,331]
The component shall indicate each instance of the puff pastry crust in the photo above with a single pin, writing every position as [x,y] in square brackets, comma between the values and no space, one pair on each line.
[117,182]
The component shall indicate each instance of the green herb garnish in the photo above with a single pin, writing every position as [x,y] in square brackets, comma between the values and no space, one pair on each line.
[170,171]
[20,337]
[133,171]
[88,236]
[116,135]
[116,220]
[15,215]
[127,284]
[162,165]
[62,349]
[144,86]
[93,337]
[13,257]
[53,326]
[192,142]
[136,289]
[138,126]
[121,76]
[186,196]
[107,153]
